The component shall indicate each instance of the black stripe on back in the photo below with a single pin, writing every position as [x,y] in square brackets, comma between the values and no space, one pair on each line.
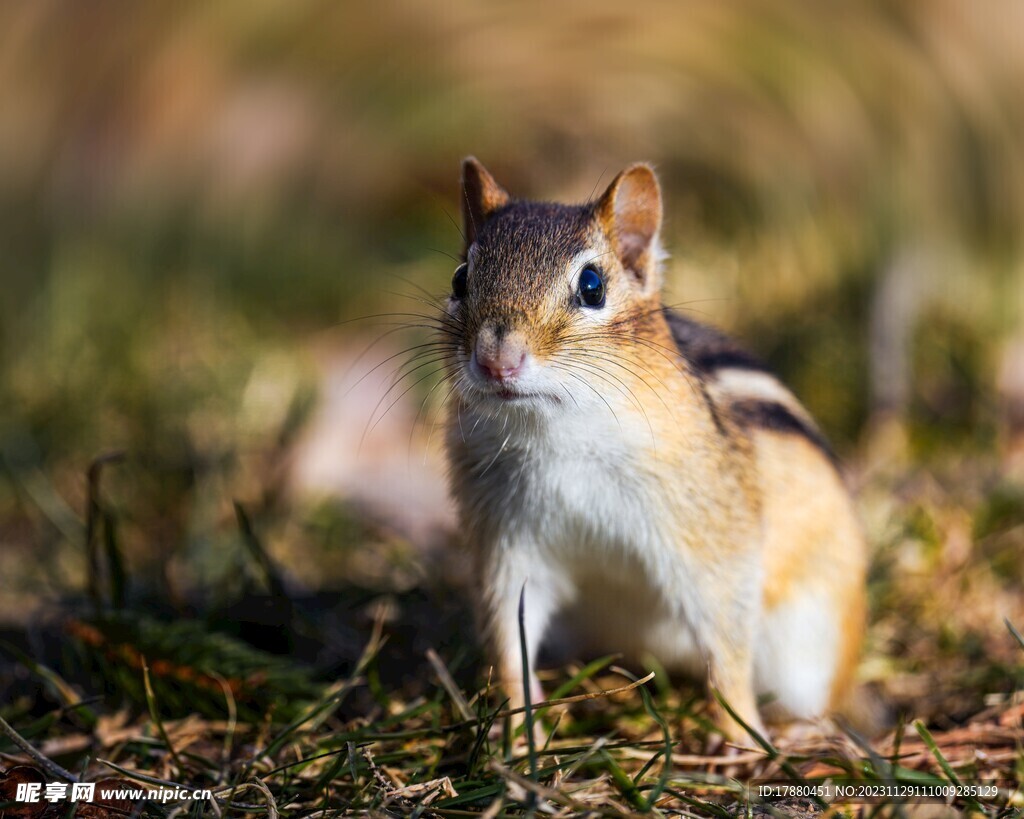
[708,349]
[777,418]
[735,358]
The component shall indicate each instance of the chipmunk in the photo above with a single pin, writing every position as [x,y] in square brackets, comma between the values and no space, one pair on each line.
[650,484]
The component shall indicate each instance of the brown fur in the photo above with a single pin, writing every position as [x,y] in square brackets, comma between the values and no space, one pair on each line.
[721,506]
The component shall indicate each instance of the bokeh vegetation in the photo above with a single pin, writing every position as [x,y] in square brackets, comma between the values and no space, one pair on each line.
[196,200]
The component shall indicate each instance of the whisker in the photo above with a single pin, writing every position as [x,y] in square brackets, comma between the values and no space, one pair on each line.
[479,418]
[437,318]
[370,346]
[572,397]
[469,212]
[458,227]
[391,406]
[444,401]
[436,357]
[654,346]
[621,386]
[430,300]
[448,376]
[421,362]
[591,260]
[523,465]
[610,350]
[426,345]
[398,376]
[435,299]
[591,387]
[455,259]
[497,454]
[684,305]
[597,184]
[612,356]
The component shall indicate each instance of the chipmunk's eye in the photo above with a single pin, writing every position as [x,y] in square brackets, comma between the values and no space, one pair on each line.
[460,282]
[591,288]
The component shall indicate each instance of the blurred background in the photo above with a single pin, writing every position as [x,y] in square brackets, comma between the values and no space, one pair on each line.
[200,204]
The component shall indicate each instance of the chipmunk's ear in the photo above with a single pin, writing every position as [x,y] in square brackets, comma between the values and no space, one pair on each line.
[630,215]
[481,196]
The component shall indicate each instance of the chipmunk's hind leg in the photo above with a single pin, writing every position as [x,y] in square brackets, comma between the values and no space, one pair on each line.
[797,658]
[815,561]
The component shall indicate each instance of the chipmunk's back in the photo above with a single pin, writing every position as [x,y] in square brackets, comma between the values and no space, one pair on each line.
[814,554]
[742,385]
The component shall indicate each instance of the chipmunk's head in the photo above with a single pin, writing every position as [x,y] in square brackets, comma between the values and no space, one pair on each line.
[549,294]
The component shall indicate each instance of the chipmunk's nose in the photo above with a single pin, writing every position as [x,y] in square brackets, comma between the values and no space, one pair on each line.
[500,356]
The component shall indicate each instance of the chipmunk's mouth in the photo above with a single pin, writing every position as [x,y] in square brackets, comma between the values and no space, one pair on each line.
[509,395]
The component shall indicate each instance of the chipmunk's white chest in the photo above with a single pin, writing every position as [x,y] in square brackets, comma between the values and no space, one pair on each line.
[587,486]
[587,502]
[601,535]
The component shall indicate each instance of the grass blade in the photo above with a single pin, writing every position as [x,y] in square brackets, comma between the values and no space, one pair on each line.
[40,759]
[947,769]
[531,742]
[1016,634]
[154,715]
[585,673]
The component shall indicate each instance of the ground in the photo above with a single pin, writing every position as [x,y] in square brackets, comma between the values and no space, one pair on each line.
[368,694]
